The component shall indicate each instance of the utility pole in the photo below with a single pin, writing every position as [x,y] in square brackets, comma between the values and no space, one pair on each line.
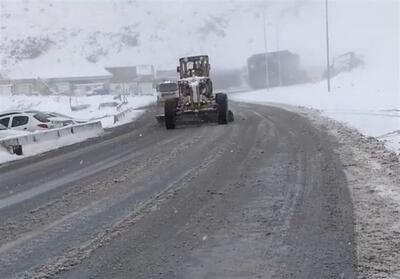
[279,56]
[328,71]
[266,49]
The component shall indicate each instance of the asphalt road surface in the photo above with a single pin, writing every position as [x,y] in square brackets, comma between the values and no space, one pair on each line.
[262,197]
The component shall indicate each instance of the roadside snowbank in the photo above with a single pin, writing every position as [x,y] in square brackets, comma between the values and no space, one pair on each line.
[373,177]
[61,104]
[5,156]
[43,141]
[358,98]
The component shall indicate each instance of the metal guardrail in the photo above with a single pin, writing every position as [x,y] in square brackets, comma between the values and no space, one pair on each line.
[119,116]
[15,144]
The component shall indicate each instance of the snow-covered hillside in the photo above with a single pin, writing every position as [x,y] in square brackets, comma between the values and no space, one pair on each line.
[61,33]
[53,33]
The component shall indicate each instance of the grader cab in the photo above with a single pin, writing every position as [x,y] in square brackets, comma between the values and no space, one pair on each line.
[194,66]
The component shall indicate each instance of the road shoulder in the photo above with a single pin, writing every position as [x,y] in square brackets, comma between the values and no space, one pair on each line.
[373,174]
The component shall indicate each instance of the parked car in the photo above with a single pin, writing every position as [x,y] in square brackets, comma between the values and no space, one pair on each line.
[6,132]
[32,120]
[28,121]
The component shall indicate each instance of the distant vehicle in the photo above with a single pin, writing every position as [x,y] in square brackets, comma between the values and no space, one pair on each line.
[167,90]
[283,69]
[6,132]
[32,120]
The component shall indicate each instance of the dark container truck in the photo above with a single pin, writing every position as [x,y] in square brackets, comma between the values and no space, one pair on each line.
[283,69]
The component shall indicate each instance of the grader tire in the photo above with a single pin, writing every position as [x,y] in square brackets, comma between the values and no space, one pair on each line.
[222,102]
[170,113]
[231,118]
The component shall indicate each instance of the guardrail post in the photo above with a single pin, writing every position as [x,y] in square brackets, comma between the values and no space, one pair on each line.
[17,149]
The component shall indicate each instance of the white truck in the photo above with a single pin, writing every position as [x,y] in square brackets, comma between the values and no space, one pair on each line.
[167,90]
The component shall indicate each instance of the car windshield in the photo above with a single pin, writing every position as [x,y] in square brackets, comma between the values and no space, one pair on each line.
[166,87]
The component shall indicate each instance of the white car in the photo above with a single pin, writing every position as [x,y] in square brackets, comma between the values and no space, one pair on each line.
[5,132]
[25,121]
[32,120]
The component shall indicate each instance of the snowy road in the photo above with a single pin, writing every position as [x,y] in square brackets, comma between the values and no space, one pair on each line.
[263,197]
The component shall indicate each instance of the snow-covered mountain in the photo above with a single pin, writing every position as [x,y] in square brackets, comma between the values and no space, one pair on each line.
[115,32]
[55,34]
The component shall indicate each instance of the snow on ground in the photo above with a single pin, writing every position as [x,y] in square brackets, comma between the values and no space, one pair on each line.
[5,156]
[368,98]
[47,145]
[129,117]
[61,104]
[373,177]
[369,104]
